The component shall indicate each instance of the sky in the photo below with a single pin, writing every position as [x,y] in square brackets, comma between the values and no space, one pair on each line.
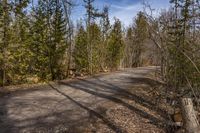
[125,10]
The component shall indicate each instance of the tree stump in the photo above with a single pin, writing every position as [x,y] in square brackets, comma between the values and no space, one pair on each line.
[191,123]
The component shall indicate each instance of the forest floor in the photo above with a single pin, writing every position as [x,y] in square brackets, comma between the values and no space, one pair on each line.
[122,102]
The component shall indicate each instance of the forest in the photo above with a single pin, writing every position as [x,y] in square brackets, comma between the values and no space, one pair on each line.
[41,43]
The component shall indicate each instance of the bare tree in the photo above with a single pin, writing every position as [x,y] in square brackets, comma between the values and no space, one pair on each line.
[68,5]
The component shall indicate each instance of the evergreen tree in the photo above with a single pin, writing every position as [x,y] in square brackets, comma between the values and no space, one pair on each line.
[49,39]
[115,45]
[96,47]
[105,23]
[129,48]
[58,46]
[5,19]
[105,29]
[19,45]
[80,52]
[39,46]
[141,35]
[92,14]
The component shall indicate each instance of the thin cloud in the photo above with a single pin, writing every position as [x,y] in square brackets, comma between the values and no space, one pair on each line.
[131,7]
[128,12]
[125,10]
[125,13]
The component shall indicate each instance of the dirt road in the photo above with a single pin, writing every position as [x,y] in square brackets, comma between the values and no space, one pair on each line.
[115,102]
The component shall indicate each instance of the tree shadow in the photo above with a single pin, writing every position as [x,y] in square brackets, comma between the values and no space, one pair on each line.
[106,121]
[113,89]
[6,124]
[48,122]
[97,89]
[128,95]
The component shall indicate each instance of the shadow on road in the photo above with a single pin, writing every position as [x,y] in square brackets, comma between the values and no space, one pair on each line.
[112,92]
[110,124]
[8,126]
[99,87]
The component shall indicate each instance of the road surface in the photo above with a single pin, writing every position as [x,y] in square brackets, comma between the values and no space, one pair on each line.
[105,103]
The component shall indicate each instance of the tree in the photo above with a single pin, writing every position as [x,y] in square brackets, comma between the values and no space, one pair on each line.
[105,29]
[5,10]
[181,67]
[58,46]
[141,35]
[115,46]
[20,42]
[39,38]
[80,52]
[49,42]
[96,47]
[67,6]
[129,48]
[92,13]
[105,23]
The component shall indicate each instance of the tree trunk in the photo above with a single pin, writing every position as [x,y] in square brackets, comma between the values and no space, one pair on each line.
[1,77]
[190,120]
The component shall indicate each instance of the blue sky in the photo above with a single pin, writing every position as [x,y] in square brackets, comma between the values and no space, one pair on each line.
[125,10]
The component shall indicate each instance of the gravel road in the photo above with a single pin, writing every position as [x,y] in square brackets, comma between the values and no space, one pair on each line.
[80,106]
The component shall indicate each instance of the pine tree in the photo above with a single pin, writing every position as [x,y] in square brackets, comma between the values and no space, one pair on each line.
[49,40]
[105,22]
[141,35]
[90,11]
[92,14]
[1,45]
[39,46]
[80,52]
[105,29]
[67,6]
[20,42]
[96,41]
[59,45]
[5,19]
[129,48]
[115,45]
